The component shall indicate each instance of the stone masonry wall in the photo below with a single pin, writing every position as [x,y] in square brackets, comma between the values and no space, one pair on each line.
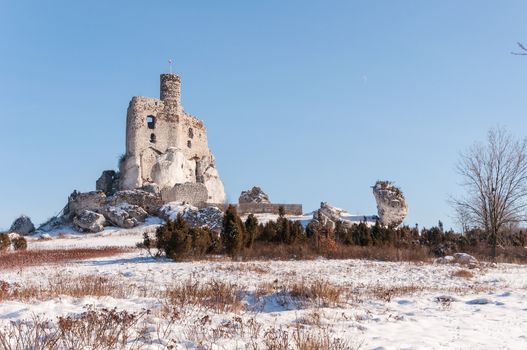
[268,208]
[192,193]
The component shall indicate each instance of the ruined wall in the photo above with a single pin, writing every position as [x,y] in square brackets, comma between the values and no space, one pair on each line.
[155,125]
[193,137]
[268,208]
[165,145]
[192,193]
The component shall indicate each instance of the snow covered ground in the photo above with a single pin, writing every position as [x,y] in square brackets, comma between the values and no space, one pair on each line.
[365,304]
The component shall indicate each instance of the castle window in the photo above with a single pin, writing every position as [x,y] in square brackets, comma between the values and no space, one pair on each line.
[189,144]
[190,133]
[151,122]
[152,138]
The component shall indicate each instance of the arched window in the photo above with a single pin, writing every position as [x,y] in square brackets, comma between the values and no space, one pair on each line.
[190,133]
[152,138]
[189,144]
[151,122]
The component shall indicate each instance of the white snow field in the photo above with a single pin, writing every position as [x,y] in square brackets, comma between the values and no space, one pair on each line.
[221,304]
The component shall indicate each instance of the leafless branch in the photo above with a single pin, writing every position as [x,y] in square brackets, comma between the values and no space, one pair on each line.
[523,48]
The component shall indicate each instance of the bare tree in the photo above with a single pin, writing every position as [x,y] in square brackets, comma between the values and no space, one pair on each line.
[495,182]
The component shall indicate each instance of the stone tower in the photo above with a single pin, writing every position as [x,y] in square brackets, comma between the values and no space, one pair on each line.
[168,147]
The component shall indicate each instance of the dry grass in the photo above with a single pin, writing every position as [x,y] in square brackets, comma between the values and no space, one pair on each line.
[243,267]
[319,292]
[20,259]
[214,295]
[302,339]
[387,293]
[78,287]
[463,273]
[112,329]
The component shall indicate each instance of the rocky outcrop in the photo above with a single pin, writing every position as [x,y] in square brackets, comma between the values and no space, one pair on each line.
[89,221]
[108,182]
[148,201]
[329,215]
[151,187]
[78,202]
[189,192]
[171,168]
[254,195]
[211,217]
[214,185]
[124,209]
[391,204]
[125,215]
[22,225]
[458,258]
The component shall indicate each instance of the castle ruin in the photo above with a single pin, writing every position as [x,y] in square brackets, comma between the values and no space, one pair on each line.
[167,149]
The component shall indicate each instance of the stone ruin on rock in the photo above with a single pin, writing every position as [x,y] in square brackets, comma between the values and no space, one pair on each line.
[256,201]
[254,195]
[166,151]
[167,159]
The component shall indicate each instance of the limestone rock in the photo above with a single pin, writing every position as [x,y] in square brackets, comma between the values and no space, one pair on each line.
[78,202]
[330,215]
[189,192]
[125,215]
[448,259]
[391,204]
[171,168]
[212,181]
[465,259]
[53,223]
[108,182]
[151,187]
[148,201]
[22,225]
[458,258]
[130,168]
[254,195]
[89,221]
[211,217]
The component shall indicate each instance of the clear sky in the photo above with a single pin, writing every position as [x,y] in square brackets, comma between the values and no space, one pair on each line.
[312,100]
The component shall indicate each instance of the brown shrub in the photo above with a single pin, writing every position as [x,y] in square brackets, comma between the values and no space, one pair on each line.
[331,250]
[381,253]
[322,293]
[510,255]
[213,295]
[463,274]
[386,293]
[92,329]
[309,340]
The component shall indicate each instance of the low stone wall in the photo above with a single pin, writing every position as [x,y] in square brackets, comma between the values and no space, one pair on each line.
[268,208]
[192,193]
[255,208]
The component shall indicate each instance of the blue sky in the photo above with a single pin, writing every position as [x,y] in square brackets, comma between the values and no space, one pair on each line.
[312,100]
